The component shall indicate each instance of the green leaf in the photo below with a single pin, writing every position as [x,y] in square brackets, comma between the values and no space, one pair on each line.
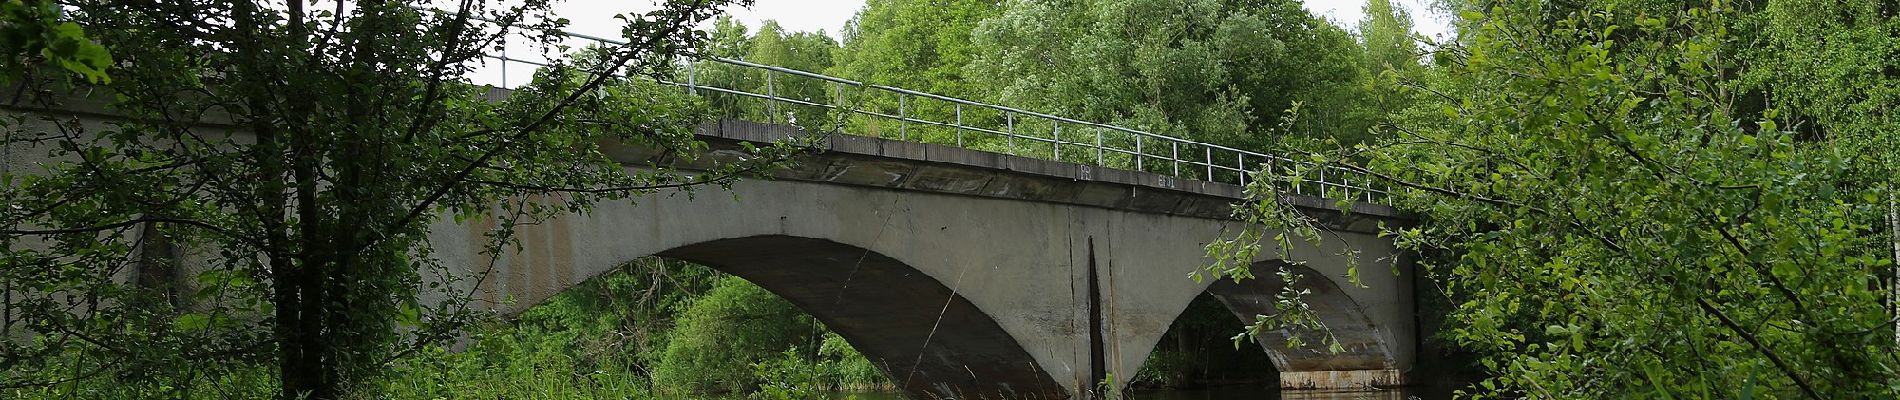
[191,322]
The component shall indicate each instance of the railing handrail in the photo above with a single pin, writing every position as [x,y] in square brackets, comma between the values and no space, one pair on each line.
[1173,143]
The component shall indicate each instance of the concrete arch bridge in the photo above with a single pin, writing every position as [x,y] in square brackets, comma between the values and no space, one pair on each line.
[968,274]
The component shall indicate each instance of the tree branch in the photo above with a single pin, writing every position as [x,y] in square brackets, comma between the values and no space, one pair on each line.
[633,50]
[1806,388]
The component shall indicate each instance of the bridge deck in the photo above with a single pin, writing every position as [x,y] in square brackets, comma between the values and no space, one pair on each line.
[885,163]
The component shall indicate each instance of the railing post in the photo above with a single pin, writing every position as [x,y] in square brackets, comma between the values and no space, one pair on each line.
[903,119]
[1266,170]
[1210,161]
[838,107]
[1297,188]
[771,99]
[692,86]
[959,124]
[1176,157]
[1240,166]
[1139,154]
[1009,130]
[1057,145]
[1322,181]
[1098,148]
[1345,187]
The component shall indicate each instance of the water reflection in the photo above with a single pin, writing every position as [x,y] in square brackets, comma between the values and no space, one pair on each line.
[1253,393]
[1220,393]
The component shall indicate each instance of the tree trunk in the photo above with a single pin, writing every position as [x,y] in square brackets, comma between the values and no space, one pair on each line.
[157,267]
[1893,233]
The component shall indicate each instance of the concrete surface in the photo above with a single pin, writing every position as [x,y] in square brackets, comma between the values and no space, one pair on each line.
[966,274]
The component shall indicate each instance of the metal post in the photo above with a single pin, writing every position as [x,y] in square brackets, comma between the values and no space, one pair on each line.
[1058,143]
[1240,166]
[1176,158]
[1322,182]
[838,107]
[771,99]
[1009,130]
[903,118]
[1210,162]
[1296,187]
[1266,170]
[504,64]
[1345,187]
[1139,154]
[959,124]
[1098,147]
[692,86]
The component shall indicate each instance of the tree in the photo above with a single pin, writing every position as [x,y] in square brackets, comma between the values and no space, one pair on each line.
[297,156]
[1223,71]
[1618,213]
[804,51]
[1387,35]
[721,335]
[772,45]
[1391,59]
[1837,66]
[915,45]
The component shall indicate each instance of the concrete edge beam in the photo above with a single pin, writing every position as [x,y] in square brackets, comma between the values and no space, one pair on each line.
[877,162]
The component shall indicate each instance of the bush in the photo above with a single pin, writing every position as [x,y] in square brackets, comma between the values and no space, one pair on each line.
[722,335]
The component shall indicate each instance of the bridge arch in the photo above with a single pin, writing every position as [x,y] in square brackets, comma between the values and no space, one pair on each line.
[1366,356]
[929,340]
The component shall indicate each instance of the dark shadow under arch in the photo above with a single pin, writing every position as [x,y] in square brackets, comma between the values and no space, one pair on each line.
[1365,358]
[932,342]
[1198,352]
[1362,348]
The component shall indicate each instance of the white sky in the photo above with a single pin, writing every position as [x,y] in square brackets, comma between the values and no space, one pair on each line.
[1347,13]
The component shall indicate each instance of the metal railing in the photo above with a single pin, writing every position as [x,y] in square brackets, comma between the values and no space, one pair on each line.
[979,126]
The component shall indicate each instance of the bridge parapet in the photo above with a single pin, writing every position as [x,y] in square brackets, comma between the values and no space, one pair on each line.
[896,164]
[1024,133]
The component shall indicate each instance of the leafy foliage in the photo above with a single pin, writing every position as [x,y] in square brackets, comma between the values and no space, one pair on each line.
[1635,199]
[772,45]
[1213,70]
[1199,350]
[268,174]
[33,29]
[921,46]
[1391,59]
[1622,217]
[721,335]
[621,334]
